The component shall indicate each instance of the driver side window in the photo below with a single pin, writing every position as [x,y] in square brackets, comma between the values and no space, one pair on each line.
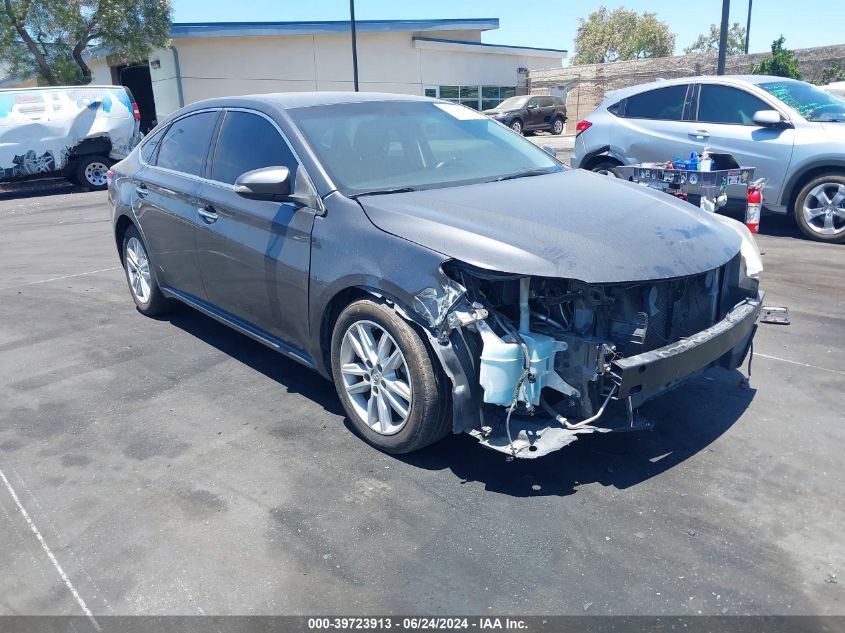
[248,141]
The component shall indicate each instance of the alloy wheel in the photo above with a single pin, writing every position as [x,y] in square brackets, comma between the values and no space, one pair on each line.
[375,376]
[516,126]
[95,173]
[824,209]
[138,270]
[557,126]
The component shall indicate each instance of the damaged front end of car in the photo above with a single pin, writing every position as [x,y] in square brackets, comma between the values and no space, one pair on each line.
[536,361]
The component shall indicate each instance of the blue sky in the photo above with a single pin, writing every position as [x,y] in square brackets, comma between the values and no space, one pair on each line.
[550,23]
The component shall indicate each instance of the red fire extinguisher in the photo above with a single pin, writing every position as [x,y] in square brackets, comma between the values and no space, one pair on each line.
[753,203]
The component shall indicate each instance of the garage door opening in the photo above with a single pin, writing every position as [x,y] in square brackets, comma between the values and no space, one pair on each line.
[136,77]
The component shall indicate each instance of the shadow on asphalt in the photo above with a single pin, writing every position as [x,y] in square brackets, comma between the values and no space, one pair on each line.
[38,189]
[687,421]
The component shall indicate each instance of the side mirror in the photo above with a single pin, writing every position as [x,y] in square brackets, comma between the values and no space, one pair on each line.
[550,151]
[769,118]
[267,183]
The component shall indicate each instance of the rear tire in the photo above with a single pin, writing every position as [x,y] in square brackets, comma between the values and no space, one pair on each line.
[557,126]
[819,208]
[140,275]
[393,390]
[606,167]
[90,171]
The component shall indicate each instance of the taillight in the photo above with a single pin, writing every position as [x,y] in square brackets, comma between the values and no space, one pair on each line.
[581,126]
[135,111]
[109,176]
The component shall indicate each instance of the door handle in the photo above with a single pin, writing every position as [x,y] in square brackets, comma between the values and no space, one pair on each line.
[142,191]
[700,134]
[208,214]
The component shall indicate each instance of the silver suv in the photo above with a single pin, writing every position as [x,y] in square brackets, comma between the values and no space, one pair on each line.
[792,132]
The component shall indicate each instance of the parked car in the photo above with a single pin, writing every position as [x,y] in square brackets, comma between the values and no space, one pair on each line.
[444,272]
[531,114]
[791,131]
[75,131]
[837,89]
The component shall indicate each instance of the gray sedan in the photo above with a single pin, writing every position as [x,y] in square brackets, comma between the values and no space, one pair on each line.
[444,272]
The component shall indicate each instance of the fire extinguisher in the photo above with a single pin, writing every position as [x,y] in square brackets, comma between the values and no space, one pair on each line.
[753,203]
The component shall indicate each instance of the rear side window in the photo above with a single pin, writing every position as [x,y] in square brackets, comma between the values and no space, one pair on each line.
[185,143]
[666,104]
[148,149]
[546,101]
[723,104]
[246,142]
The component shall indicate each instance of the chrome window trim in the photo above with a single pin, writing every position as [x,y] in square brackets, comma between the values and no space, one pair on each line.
[224,185]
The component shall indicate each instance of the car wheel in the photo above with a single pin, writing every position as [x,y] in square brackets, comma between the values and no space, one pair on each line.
[606,167]
[391,388]
[91,171]
[140,276]
[557,126]
[820,208]
[516,126]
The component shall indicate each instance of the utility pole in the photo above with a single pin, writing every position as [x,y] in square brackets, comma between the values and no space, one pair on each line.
[748,27]
[723,37]
[354,45]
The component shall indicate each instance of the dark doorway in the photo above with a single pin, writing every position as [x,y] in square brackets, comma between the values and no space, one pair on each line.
[136,77]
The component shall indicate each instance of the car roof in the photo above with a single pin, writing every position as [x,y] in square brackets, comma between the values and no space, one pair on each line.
[84,87]
[287,100]
[729,80]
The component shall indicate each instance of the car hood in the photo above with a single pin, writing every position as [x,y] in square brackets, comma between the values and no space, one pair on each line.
[834,131]
[573,224]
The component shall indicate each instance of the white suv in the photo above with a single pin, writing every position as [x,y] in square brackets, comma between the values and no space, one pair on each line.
[791,131]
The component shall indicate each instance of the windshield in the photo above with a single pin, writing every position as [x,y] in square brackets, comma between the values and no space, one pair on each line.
[380,146]
[512,103]
[810,102]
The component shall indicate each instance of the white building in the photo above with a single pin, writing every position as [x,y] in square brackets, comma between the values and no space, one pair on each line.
[440,58]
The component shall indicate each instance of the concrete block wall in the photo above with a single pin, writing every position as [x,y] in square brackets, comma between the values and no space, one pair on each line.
[585,86]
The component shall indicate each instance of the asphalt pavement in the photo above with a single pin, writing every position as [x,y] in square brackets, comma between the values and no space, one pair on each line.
[172,466]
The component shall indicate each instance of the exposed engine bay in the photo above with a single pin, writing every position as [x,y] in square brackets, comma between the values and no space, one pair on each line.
[548,356]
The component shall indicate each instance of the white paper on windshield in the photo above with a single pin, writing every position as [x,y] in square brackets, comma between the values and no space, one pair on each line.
[460,112]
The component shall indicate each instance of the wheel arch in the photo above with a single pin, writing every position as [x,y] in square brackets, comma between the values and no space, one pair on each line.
[600,155]
[120,227]
[91,146]
[345,297]
[801,177]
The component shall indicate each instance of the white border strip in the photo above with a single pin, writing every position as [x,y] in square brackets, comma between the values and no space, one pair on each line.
[44,281]
[49,553]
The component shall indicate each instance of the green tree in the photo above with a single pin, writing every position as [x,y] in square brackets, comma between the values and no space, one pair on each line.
[609,36]
[709,42]
[48,38]
[782,63]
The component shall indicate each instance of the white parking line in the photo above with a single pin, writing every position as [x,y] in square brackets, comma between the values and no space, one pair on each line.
[795,362]
[44,281]
[49,553]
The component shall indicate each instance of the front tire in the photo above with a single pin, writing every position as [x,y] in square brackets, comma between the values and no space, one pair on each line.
[516,126]
[140,275]
[820,208]
[393,392]
[90,171]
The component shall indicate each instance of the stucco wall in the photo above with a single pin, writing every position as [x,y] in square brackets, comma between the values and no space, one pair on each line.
[586,85]
[387,62]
